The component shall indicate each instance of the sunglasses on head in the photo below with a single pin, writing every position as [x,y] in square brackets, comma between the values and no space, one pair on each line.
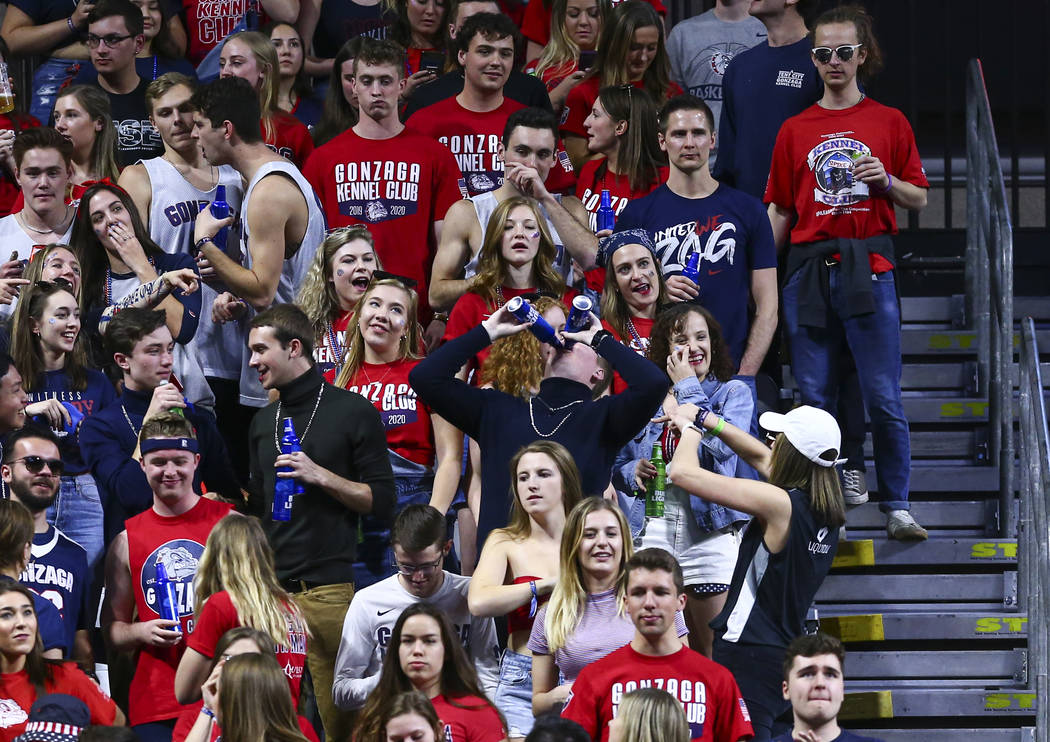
[35,465]
[845,52]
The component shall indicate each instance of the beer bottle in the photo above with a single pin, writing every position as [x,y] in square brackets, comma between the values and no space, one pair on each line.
[654,490]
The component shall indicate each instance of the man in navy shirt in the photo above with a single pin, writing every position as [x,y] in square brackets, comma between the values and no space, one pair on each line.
[813,682]
[763,87]
[693,212]
[58,567]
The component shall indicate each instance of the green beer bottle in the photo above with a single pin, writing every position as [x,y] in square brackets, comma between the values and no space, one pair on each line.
[654,490]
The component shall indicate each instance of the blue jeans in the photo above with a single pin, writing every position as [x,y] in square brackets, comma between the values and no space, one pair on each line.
[413,484]
[875,342]
[51,75]
[514,693]
[77,512]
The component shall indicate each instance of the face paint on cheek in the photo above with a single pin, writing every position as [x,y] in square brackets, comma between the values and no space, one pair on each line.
[535,235]
[51,320]
[340,273]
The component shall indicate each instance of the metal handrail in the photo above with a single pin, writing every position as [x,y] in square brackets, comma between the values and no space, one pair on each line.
[1034,535]
[989,282]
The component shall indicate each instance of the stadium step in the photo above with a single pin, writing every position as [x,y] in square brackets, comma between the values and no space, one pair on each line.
[951,309]
[1026,734]
[920,588]
[952,551]
[951,342]
[867,705]
[917,625]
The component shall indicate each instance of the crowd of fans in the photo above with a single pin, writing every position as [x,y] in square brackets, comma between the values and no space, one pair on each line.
[280,462]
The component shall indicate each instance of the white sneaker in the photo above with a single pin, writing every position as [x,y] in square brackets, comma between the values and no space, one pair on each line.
[901,525]
[854,487]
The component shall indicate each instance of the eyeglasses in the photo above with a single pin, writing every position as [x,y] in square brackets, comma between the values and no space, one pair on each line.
[35,465]
[424,569]
[845,52]
[111,40]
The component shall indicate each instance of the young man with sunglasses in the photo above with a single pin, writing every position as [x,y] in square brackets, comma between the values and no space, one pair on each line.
[839,170]
[57,567]
[420,542]
[114,38]
[172,533]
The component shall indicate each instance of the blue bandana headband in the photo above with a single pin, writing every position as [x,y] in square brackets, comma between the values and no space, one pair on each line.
[608,245]
[167,444]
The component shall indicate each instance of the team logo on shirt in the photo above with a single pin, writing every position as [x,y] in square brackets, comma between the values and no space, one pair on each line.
[11,714]
[831,162]
[818,546]
[377,190]
[180,558]
[216,18]
[692,694]
[136,133]
[714,238]
[396,402]
[478,158]
[712,62]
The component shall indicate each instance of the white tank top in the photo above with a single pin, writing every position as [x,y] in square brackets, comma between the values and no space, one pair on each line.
[173,211]
[485,204]
[294,269]
[14,239]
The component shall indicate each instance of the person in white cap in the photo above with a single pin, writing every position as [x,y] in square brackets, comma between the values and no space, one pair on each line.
[786,551]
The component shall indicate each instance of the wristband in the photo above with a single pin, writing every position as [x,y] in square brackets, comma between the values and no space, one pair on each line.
[441,317]
[697,428]
[701,414]
[715,431]
[207,712]
[534,603]
[598,337]
[199,244]
[72,26]
[889,184]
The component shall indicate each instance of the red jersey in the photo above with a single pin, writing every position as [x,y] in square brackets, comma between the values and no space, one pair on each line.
[478,722]
[330,347]
[811,171]
[17,695]
[707,691]
[291,139]
[407,420]
[397,187]
[638,341]
[209,23]
[178,542]
[536,24]
[219,616]
[581,99]
[189,717]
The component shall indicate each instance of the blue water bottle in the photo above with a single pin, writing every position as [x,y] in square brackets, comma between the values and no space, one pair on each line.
[285,488]
[692,268]
[220,210]
[606,217]
[527,314]
[580,314]
[75,418]
[167,605]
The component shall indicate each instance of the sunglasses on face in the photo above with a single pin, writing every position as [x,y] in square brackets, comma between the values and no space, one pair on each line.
[845,52]
[35,465]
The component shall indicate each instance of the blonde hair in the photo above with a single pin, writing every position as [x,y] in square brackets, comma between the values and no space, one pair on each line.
[355,350]
[569,597]
[789,469]
[492,267]
[238,559]
[269,90]
[514,365]
[560,48]
[520,526]
[317,296]
[652,715]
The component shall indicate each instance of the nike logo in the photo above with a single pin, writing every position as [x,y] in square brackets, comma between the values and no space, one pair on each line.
[383,613]
[715,273]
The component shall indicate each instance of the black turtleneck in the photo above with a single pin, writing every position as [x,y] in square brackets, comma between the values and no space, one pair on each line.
[346,437]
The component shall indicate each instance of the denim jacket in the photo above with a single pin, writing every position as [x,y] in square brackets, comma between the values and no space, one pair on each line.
[730,400]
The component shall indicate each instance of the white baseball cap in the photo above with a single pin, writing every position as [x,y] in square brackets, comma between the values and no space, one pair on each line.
[810,430]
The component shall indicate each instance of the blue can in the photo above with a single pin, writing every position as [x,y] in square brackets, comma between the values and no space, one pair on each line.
[580,314]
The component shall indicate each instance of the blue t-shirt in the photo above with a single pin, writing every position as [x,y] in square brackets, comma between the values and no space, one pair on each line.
[48,622]
[58,570]
[763,87]
[731,231]
[98,393]
[844,736]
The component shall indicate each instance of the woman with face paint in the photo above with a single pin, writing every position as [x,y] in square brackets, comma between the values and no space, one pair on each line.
[49,352]
[704,537]
[425,451]
[516,258]
[332,288]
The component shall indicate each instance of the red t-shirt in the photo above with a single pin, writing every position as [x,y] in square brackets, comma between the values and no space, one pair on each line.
[208,23]
[640,344]
[707,691]
[406,419]
[219,616]
[581,99]
[326,355]
[178,542]
[810,172]
[291,139]
[551,76]
[536,25]
[397,187]
[17,695]
[477,723]
[189,717]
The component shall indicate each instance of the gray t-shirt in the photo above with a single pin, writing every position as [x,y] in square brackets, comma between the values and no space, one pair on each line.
[702,47]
